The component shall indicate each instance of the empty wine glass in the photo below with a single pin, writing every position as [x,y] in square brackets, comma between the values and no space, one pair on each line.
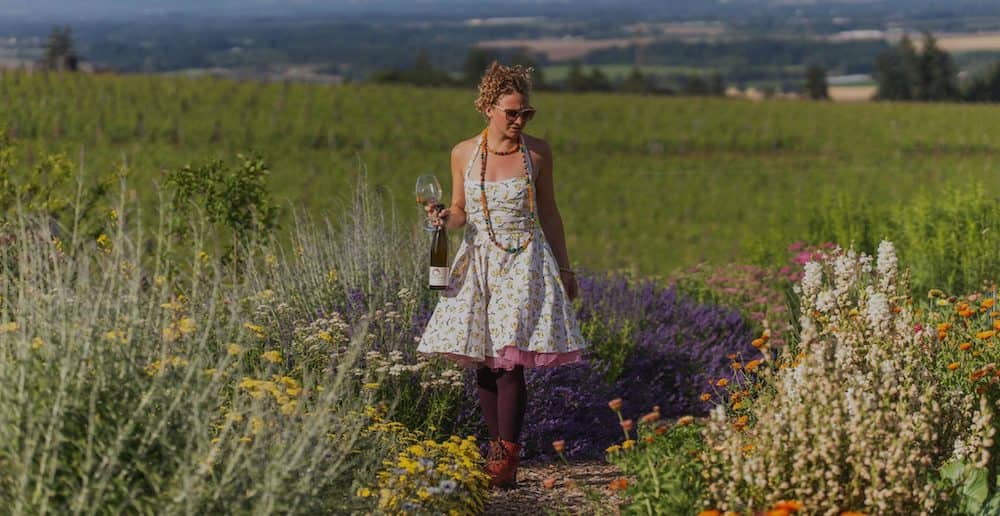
[428,192]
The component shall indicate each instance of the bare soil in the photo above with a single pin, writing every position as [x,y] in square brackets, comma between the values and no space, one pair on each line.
[584,487]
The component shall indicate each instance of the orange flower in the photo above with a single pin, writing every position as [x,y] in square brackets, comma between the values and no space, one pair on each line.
[559,446]
[986,334]
[965,346]
[651,417]
[549,483]
[736,365]
[758,343]
[619,484]
[660,430]
[648,439]
[994,314]
[996,325]
[685,420]
[853,513]
[988,303]
[967,313]
[741,422]
[731,356]
[705,396]
[791,505]
[722,382]
[627,425]
[952,366]
[945,326]
[710,512]
[615,404]
[778,512]
[751,365]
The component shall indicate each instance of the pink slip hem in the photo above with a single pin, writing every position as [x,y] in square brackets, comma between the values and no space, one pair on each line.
[511,356]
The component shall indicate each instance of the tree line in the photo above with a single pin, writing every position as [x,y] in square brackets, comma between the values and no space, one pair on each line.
[929,74]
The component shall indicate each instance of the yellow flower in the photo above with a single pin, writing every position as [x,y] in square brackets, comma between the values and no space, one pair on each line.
[364,492]
[614,448]
[257,329]
[986,334]
[159,280]
[37,342]
[628,444]
[722,382]
[234,349]
[8,327]
[186,325]
[289,408]
[104,243]
[272,356]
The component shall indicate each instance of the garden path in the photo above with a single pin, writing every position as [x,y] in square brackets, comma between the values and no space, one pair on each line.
[532,497]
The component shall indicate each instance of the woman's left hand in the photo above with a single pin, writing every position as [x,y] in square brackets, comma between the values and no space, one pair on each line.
[569,282]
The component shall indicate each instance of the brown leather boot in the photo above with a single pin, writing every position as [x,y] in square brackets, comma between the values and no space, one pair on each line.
[506,475]
[493,456]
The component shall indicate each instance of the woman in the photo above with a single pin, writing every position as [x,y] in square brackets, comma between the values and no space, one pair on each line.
[508,302]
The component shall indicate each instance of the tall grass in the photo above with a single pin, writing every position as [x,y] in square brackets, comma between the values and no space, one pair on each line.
[949,238]
[139,374]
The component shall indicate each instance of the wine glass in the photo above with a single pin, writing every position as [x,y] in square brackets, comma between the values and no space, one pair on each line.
[428,192]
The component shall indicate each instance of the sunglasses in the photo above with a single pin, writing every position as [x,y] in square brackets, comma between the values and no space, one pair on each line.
[527,113]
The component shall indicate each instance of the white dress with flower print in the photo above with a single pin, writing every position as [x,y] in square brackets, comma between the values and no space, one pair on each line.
[501,309]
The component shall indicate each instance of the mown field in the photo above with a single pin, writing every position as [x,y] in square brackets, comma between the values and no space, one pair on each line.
[647,184]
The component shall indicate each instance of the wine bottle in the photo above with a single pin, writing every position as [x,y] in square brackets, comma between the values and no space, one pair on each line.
[438,277]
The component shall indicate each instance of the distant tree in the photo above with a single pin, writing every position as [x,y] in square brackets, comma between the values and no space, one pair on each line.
[575,79]
[59,51]
[816,84]
[905,74]
[636,82]
[897,71]
[695,85]
[423,73]
[716,85]
[598,81]
[476,63]
[985,87]
[938,79]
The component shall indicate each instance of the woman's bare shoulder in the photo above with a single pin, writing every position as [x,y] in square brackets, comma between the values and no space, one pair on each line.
[538,145]
[463,149]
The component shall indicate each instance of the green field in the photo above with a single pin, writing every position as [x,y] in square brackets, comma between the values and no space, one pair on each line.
[649,184]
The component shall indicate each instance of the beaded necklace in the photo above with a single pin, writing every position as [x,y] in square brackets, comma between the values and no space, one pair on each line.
[482,196]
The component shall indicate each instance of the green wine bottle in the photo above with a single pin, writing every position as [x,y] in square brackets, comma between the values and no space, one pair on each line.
[438,277]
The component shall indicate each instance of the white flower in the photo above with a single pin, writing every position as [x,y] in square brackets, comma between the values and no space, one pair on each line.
[826,302]
[879,315]
[886,264]
[812,279]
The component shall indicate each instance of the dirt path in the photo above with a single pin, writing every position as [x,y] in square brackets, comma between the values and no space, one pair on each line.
[532,497]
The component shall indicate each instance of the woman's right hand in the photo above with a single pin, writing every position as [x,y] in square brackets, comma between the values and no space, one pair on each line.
[436,214]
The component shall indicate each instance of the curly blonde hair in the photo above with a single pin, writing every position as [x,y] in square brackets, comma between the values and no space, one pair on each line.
[501,80]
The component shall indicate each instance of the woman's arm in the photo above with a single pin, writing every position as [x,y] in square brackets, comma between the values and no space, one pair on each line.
[454,215]
[549,217]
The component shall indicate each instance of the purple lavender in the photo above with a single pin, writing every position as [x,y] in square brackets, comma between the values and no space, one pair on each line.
[678,346]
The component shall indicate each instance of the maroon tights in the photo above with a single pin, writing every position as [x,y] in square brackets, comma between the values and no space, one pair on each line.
[503,398]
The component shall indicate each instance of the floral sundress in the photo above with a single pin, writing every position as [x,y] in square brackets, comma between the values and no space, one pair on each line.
[501,309]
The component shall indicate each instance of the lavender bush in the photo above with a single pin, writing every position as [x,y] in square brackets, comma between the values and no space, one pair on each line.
[673,348]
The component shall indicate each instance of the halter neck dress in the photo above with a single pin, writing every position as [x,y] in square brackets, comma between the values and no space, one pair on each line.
[500,309]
